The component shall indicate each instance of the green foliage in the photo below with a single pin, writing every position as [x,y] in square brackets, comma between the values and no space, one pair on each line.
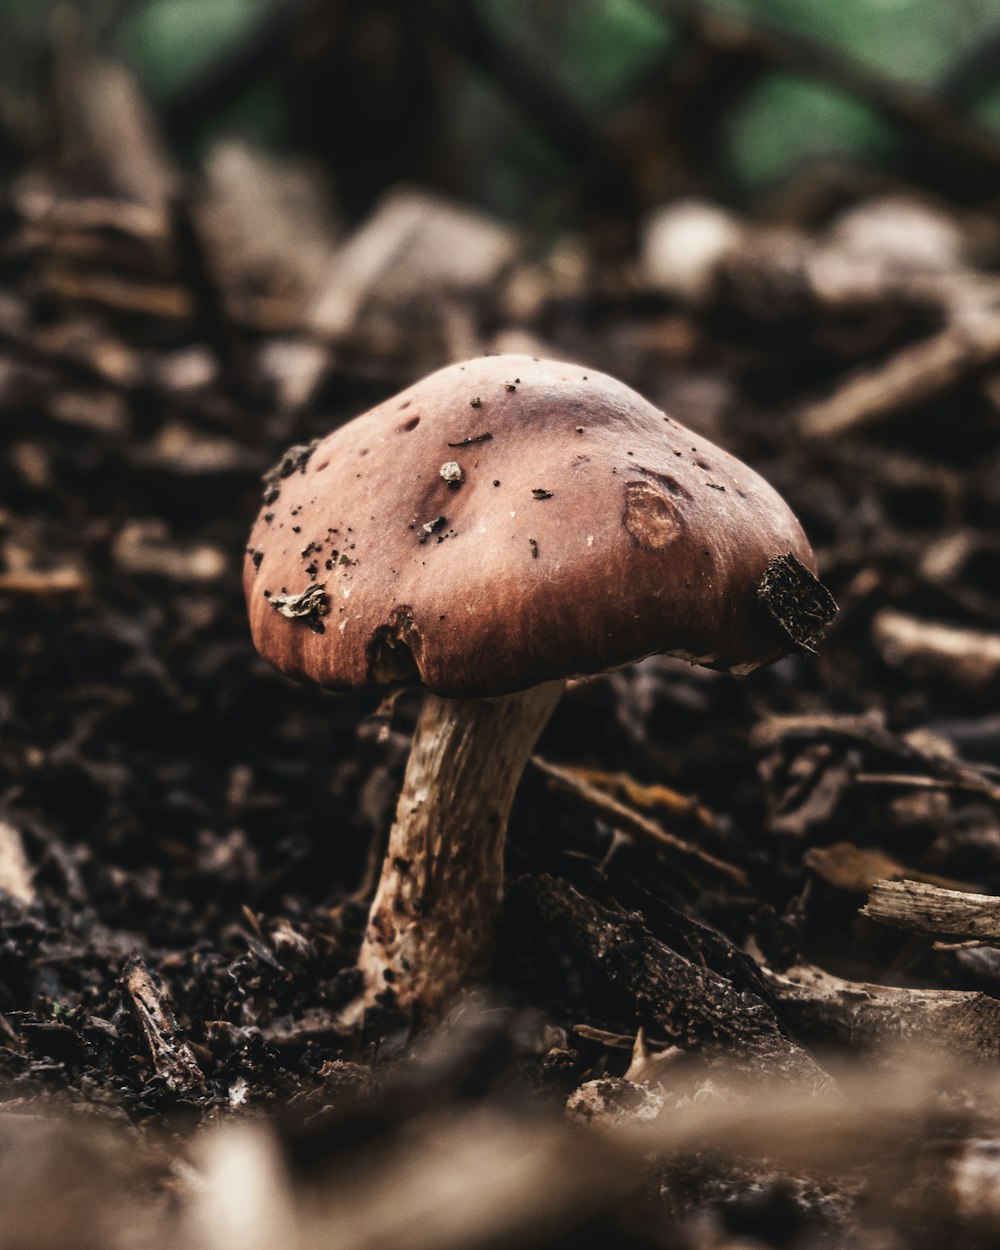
[171,40]
[598,51]
[788,121]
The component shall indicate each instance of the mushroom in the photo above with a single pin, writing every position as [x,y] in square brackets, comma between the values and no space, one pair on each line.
[588,530]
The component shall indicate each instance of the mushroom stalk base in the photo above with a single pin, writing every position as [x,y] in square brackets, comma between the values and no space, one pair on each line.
[430,928]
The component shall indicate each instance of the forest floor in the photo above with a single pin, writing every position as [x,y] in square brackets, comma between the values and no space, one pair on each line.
[184,833]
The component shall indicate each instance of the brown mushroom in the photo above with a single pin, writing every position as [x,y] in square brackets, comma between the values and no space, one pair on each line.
[582,530]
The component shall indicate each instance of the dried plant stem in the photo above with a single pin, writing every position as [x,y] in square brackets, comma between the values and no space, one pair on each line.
[430,929]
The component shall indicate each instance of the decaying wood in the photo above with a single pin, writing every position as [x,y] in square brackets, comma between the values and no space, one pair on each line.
[920,908]
[15,871]
[59,581]
[932,766]
[817,1004]
[912,376]
[855,869]
[609,959]
[651,797]
[692,859]
[969,657]
[416,247]
[149,1004]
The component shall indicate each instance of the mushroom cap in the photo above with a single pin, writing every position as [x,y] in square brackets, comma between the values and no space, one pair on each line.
[583,530]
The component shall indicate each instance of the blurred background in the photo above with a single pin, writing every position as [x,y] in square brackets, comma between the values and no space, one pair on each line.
[501,102]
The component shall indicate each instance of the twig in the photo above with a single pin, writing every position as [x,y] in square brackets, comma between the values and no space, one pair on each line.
[640,827]
[912,782]
[920,908]
[913,375]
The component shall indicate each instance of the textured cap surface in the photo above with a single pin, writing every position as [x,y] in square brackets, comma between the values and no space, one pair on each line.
[508,521]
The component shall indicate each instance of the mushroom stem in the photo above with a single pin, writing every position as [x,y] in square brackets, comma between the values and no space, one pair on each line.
[430,928]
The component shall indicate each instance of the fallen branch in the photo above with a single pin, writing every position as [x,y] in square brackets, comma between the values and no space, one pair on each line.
[608,959]
[815,1003]
[920,908]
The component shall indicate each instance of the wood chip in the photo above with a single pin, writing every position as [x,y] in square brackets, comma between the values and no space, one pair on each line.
[855,869]
[150,1006]
[15,871]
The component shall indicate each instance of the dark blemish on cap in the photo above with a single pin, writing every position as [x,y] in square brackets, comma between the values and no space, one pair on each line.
[296,529]
[257,558]
[269,517]
[533,545]
[496,481]
[407,426]
[509,387]
[539,492]
[404,405]
[475,403]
